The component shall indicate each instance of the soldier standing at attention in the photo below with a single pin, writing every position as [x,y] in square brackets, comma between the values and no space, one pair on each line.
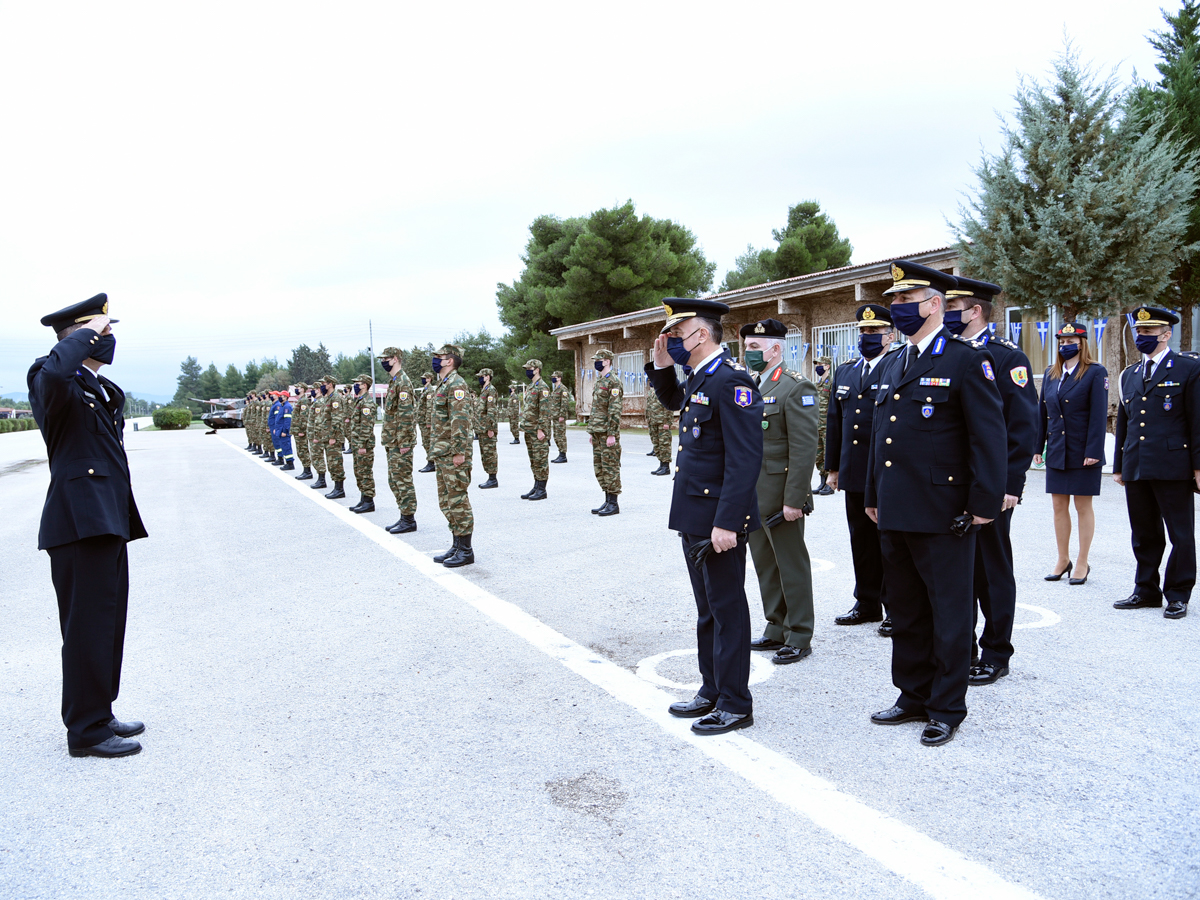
[514,411]
[452,450]
[347,418]
[424,410]
[659,422]
[558,414]
[790,423]
[362,442]
[604,430]
[399,438]
[1158,463]
[489,426]
[300,430]
[535,422]
[333,428]
[256,420]
[823,369]
[713,504]
[316,447]
[935,473]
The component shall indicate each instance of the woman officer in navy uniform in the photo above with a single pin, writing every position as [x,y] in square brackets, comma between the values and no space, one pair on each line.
[1074,415]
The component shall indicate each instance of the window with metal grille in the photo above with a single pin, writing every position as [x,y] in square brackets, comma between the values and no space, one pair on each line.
[839,342]
[629,368]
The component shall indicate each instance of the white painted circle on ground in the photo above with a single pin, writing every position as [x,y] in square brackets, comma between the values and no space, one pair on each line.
[647,669]
[1048,617]
[821,565]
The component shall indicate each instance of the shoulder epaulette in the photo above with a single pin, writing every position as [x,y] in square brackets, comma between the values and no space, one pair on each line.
[973,344]
[796,376]
[1006,343]
[734,364]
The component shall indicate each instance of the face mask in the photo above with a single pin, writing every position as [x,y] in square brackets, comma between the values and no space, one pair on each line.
[599,364]
[953,321]
[907,317]
[480,380]
[820,370]
[677,351]
[870,345]
[529,374]
[754,359]
[435,363]
[1146,343]
[387,366]
[105,349]
[1068,351]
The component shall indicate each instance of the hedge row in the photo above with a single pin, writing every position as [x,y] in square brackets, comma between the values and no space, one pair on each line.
[169,418]
[24,424]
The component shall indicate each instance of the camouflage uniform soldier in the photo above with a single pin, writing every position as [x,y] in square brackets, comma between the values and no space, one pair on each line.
[322,427]
[347,419]
[488,426]
[660,421]
[261,407]
[451,422]
[558,414]
[362,442]
[514,411]
[823,369]
[604,426]
[399,438]
[255,407]
[316,447]
[424,410]
[300,407]
[535,422]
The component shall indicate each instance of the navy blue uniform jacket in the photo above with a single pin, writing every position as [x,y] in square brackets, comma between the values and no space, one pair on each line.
[848,424]
[1074,418]
[1019,397]
[1158,426]
[89,492]
[720,446]
[939,445]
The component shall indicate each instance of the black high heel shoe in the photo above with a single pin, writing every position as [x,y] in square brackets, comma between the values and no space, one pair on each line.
[1066,571]
[1082,580]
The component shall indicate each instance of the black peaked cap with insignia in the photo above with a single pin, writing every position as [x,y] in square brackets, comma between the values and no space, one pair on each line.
[908,276]
[969,287]
[771,328]
[84,311]
[1072,329]
[1143,315]
[680,308]
[872,314]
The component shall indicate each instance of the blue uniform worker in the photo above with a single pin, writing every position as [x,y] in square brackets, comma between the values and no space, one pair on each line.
[284,424]
[273,426]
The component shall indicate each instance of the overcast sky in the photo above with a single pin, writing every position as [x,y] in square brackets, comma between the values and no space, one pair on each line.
[243,177]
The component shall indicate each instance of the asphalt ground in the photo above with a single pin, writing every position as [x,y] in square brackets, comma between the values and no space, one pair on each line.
[328,714]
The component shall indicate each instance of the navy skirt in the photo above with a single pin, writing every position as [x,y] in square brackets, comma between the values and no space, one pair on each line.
[1074,482]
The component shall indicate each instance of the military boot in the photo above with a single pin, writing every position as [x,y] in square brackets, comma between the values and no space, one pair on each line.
[663,469]
[491,481]
[320,482]
[529,493]
[442,557]
[365,504]
[562,457]
[602,505]
[651,453]
[405,524]
[278,460]
[539,491]
[428,467]
[337,493]
[463,556]
[515,440]
[288,466]
[305,475]
[610,507]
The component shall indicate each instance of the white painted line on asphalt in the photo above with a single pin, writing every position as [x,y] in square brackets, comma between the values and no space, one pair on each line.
[940,871]
[647,670]
[1048,617]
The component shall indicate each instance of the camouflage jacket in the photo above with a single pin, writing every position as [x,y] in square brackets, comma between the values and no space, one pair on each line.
[343,405]
[562,402]
[607,400]
[535,408]
[657,415]
[320,426]
[489,411]
[300,417]
[451,417]
[514,408]
[362,422]
[400,414]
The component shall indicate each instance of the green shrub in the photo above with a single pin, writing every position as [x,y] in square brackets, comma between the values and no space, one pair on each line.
[25,424]
[170,418]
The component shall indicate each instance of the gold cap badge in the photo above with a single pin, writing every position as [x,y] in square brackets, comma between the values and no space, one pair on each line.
[1068,329]
[1143,315]
[758,329]
[897,273]
[670,312]
[868,313]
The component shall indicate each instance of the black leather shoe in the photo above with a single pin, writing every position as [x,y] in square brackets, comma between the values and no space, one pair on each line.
[1133,601]
[561,458]
[651,453]
[610,508]
[692,709]
[987,673]
[765,643]
[664,469]
[288,466]
[113,747]
[463,556]
[719,722]
[790,655]
[823,491]
[126,729]
[428,467]
[319,483]
[391,529]
[1058,577]
[1176,609]
[885,628]
[937,733]
[1082,580]
[529,493]
[897,715]
[442,557]
[490,483]
[365,505]
[857,617]
[596,511]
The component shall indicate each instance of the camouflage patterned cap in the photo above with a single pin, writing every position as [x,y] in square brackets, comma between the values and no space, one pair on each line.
[449,350]
[602,353]
[330,380]
[301,386]
[389,352]
[556,374]
[533,364]
[482,372]
[365,379]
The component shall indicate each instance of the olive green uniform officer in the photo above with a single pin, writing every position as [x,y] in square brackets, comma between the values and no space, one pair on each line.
[535,422]
[790,425]
[514,411]
[451,451]
[823,369]
[558,414]
[604,430]
[659,421]
[399,438]
[362,443]
[489,426]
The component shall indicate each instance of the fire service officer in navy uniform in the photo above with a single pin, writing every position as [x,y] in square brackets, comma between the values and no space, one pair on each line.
[847,443]
[88,518]
[1158,462]
[935,473]
[968,309]
[714,505]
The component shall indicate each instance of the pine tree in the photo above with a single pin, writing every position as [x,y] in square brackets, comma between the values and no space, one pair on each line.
[189,384]
[232,383]
[209,384]
[808,243]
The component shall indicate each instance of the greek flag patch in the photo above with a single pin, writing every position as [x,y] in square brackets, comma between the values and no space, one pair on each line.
[807,400]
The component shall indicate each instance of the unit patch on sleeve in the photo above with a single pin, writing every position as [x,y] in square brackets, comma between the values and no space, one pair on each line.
[459,394]
[806,400]
[1020,376]
[742,396]
[987,371]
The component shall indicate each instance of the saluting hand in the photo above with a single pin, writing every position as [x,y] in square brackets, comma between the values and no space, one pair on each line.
[99,324]
[662,359]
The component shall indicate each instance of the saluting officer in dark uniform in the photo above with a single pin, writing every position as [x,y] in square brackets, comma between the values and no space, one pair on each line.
[847,444]
[968,309]
[88,518]
[936,472]
[720,453]
[1158,462]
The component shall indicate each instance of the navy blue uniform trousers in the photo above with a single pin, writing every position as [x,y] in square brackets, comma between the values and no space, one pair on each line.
[996,589]
[1152,503]
[722,625]
[867,556]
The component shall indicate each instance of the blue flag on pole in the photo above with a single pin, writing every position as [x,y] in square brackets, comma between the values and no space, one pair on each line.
[1043,330]
[1100,325]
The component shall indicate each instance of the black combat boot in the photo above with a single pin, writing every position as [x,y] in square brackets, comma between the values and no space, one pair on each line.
[610,507]
[651,453]
[562,457]
[305,475]
[491,481]
[597,510]
[539,491]
[337,493]
[663,469]
[824,490]
[404,525]
[288,466]
[529,493]
[428,467]
[278,460]
[515,440]
[365,504]
[463,556]
[442,557]
[320,482]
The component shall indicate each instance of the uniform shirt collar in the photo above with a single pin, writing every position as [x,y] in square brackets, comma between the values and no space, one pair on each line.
[704,362]
[923,344]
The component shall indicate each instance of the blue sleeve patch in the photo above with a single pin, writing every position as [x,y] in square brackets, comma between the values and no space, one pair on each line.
[808,400]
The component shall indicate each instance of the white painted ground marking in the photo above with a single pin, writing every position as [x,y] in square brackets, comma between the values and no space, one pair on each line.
[821,565]
[1048,617]
[940,871]
[647,669]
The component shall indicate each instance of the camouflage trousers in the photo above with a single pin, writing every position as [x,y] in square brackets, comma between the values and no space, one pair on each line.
[452,484]
[400,480]
[660,438]
[606,461]
[514,428]
[560,436]
[821,450]
[426,434]
[539,455]
[487,453]
[332,461]
[316,452]
[302,453]
[364,472]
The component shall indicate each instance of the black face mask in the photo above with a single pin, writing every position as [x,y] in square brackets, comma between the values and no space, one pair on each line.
[104,349]
[387,366]
[480,380]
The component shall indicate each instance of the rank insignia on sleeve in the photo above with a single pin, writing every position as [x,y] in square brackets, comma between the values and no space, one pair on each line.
[742,396]
[1020,376]
[459,394]
[987,371]
[807,400]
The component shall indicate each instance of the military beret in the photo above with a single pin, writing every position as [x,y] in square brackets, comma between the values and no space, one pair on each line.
[680,308]
[771,328]
[449,350]
[482,372]
[872,314]
[533,364]
[389,352]
[602,353]
[365,379]
[908,276]
[969,287]
[1143,315]
[84,311]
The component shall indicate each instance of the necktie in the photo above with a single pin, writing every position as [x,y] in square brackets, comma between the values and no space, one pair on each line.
[909,355]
